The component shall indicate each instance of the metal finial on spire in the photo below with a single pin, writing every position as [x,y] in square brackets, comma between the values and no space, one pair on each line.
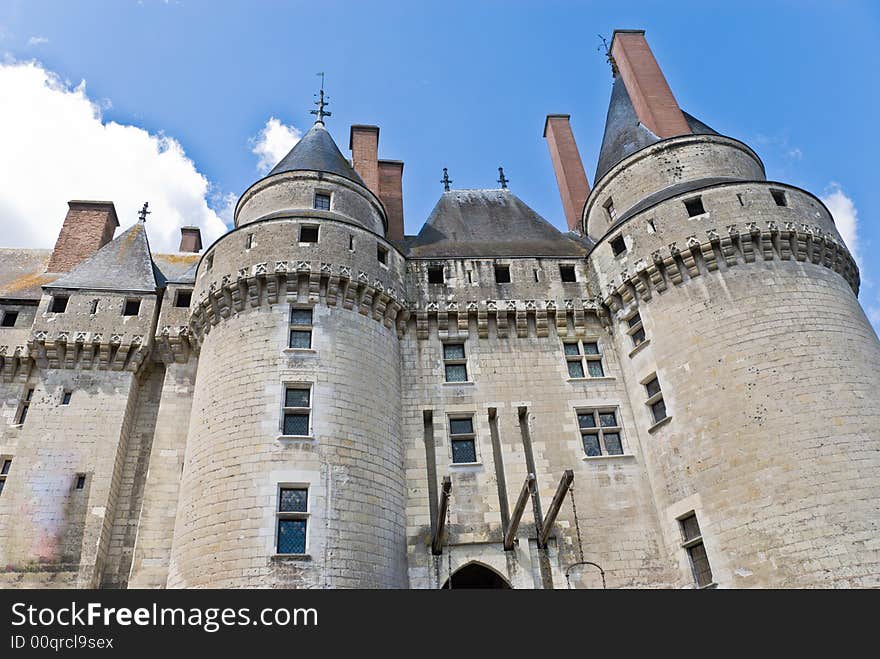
[320,113]
[502,179]
[445,180]
[142,214]
[608,56]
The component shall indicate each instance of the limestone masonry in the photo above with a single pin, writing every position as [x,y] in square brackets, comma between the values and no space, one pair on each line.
[680,392]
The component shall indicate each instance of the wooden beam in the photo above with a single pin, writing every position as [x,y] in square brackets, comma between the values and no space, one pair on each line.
[555,505]
[437,538]
[510,533]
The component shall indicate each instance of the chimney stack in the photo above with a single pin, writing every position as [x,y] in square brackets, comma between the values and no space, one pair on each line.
[88,226]
[364,144]
[190,239]
[391,194]
[383,177]
[570,175]
[651,96]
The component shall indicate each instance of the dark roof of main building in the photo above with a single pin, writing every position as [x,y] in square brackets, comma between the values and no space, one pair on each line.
[489,223]
[316,151]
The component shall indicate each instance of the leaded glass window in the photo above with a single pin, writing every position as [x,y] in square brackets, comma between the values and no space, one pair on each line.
[655,400]
[292,520]
[692,541]
[455,362]
[463,440]
[578,352]
[636,330]
[600,432]
[296,420]
[300,328]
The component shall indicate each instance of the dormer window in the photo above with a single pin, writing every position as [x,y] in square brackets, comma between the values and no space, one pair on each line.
[322,201]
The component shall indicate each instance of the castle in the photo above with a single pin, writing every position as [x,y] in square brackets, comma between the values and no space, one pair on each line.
[682,391]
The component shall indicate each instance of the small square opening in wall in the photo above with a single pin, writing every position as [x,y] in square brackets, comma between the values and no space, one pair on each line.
[80,481]
[9,318]
[308,233]
[94,308]
[618,246]
[779,197]
[322,201]
[435,274]
[502,274]
[382,254]
[567,273]
[65,397]
[58,303]
[694,206]
[183,299]
[131,308]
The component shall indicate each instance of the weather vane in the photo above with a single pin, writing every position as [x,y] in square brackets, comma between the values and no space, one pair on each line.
[142,214]
[445,180]
[502,179]
[604,48]
[320,113]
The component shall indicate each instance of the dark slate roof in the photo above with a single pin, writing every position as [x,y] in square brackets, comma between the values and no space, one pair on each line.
[178,268]
[489,223]
[624,134]
[23,273]
[316,151]
[123,264]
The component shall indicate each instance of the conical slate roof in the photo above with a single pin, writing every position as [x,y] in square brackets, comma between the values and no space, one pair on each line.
[488,223]
[316,151]
[624,134]
[123,264]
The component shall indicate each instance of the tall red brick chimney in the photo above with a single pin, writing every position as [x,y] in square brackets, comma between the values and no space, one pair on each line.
[383,177]
[570,175]
[88,226]
[391,194]
[364,144]
[190,239]
[648,90]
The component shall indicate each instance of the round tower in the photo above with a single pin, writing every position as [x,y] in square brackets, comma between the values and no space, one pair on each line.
[294,469]
[752,368]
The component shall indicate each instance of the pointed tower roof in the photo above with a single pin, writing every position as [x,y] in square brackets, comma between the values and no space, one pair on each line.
[316,151]
[489,223]
[123,264]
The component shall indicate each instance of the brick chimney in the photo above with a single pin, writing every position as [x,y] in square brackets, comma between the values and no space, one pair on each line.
[651,96]
[570,176]
[391,194]
[190,239]
[88,226]
[364,144]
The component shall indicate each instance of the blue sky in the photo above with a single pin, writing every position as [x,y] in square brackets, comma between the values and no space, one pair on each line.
[463,85]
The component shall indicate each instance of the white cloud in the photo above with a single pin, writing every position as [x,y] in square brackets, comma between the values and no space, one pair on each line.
[846,217]
[57,147]
[273,143]
[37,41]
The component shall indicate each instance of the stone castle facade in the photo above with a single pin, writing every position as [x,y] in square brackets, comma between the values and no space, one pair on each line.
[317,400]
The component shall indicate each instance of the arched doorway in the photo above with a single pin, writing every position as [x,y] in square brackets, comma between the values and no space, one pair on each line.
[474,575]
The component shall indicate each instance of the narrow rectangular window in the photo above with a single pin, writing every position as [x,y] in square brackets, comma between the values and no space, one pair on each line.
[609,209]
[435,274]
[209,262]
[9,318]
[655,399]
[297,411]
[692,542]
[694,206]
[618,246]
[80,481]
[600,432]
[350,242]
[300,328]
[5,464]
[636,330]
[183,299]
[455,362]
[567,273]
[322,201]
[65,397]
[24,406]
[579,352]
[502,274]
[293,515]
[249,241]
[59,303]
[308,233]
[382,254]
[463,440]
[131,308]
[94,309]
[779,197]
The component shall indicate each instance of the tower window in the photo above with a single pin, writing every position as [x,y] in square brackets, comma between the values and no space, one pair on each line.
[382,254]
[293,515]
[502,274]
[24,406]
[692,542]
[59,303]
[636,330]
[300,328]
[249,241]
[655,399]
[351,242]
[600,432]
[297,411]
[618,246]
[463,440]
[578,352]
[322,201]
[65,397]
[9,318]
[455,362]
[694,206]
[567,273]
[131,308]
[80,481]
[5,464]
[94,308]
[308,233]
[209,262]
[435,274]
[183,299]
[609,209]
[779,197]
